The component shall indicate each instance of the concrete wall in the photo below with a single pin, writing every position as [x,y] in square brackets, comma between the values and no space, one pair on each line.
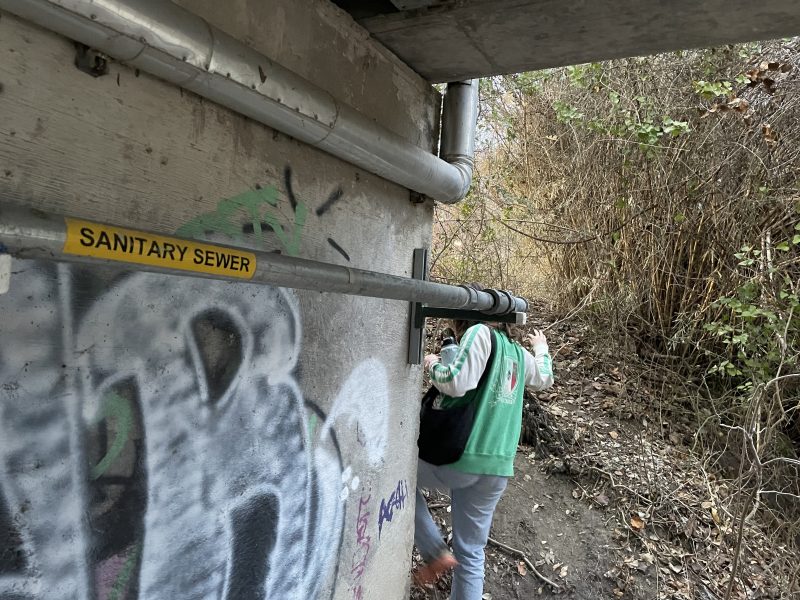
[169,437]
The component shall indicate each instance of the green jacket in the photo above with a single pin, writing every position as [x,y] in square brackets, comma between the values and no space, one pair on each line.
[493,442]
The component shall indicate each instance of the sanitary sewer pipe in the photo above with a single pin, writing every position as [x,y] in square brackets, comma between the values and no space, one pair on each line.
[32,234]
[180,47]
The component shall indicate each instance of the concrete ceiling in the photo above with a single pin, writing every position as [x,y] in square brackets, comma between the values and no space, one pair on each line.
[448,40]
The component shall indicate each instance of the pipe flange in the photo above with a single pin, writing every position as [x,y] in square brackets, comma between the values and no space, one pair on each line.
[472,301]
[498,302]
[509,301]
[495,302]
[502,302]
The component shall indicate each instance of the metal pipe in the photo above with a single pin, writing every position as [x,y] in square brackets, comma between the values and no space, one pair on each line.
[178,46]
[32,234]
[459,121]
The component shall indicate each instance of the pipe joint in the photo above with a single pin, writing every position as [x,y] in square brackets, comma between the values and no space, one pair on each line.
[472,297]
[502,302]
[465,166]
[459,122]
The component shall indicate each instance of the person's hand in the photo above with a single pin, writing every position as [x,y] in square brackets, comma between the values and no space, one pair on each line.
[537,338]
[430,360]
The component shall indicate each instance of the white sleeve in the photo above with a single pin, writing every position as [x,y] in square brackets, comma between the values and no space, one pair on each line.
[464,373]
[539,368]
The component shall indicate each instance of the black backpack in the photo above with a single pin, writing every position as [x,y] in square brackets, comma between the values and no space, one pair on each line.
[444,432]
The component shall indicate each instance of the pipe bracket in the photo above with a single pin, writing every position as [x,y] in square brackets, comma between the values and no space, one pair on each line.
[5,271]
[503,310]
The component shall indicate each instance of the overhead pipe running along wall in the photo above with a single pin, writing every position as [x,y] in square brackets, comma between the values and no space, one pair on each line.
[30,234]
[178,46]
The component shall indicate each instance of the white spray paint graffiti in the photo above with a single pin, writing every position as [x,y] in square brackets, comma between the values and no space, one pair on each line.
[154,441]
[362,406]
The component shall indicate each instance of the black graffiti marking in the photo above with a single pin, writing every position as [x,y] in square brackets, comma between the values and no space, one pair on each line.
[339,249]
[287,178]
[12,556]
[220,354]
[255,527]
[316,524]
[335,196]
[248,228]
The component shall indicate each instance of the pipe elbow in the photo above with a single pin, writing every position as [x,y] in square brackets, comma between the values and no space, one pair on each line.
[463,169]
[459,123]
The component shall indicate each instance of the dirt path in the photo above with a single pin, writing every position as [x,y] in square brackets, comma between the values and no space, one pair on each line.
[567,539]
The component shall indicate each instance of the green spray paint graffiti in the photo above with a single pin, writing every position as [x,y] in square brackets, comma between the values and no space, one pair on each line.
[254,213]
[116,407]
[258,207]
[121,583]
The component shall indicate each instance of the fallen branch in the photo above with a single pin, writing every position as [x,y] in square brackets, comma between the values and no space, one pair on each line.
[524,557]
[620,486]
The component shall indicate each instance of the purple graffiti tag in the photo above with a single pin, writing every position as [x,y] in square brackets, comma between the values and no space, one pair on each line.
[396,501]
[363,545]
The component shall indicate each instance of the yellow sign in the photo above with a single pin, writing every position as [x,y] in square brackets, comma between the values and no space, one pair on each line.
[85,238]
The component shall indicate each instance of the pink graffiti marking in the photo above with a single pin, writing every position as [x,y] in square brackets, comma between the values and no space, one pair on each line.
[363,545]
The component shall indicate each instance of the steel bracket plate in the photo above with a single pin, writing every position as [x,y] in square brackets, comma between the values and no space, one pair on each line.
[5,272]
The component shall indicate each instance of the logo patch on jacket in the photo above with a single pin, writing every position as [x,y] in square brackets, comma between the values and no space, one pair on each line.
[509,380]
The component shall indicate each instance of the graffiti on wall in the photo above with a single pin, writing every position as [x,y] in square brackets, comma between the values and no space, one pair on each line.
[395,501]
[362,547]
[155,442]
[264,211]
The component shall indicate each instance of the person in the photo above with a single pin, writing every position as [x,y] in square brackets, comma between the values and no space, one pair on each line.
[478,479]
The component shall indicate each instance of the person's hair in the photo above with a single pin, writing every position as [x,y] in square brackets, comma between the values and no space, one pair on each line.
[459,326]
